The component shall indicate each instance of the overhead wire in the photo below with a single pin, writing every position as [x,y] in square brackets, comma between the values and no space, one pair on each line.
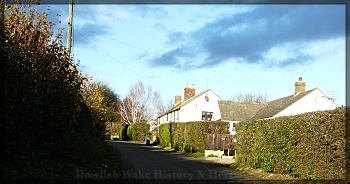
[191,65]
[122,63]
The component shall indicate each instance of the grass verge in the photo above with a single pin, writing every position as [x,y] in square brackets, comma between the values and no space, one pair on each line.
[259,173]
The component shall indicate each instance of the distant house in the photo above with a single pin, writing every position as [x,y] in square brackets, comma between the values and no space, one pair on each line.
[207,106]
[300,102]
[235,112]
[195,107]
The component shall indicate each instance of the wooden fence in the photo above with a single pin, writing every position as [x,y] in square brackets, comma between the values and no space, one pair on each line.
[218,141]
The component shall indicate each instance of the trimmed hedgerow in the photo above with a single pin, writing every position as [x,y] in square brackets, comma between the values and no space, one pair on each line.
[164,135]
[190,137]
[138,131]
[309,145]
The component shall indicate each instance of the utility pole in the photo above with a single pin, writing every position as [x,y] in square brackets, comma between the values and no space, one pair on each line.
[70,27]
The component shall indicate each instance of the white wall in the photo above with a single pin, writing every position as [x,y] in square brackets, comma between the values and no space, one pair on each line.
[314,101]
[231,127]
[193,110]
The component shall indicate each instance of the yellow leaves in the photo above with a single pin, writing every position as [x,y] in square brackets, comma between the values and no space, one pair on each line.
[93,96]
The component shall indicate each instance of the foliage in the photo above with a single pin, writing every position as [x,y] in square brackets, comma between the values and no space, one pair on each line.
[197,154]
[309,146]
[190,137]
[123,134]
[114,128]
[138,131]
[164,135]
[102,102]
[212,155]
[49,127]
[93,97]
[110,103]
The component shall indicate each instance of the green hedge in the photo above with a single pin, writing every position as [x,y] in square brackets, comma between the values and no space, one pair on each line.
[123,135]
[164,135]
[190,136]
[138,131]
[309,146]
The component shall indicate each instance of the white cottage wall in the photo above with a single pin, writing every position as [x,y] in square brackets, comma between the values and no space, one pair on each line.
[314,101]
[193,110]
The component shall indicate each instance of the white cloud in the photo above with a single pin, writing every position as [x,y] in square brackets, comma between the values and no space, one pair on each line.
[110,14]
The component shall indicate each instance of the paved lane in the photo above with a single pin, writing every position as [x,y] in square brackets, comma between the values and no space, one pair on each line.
[147,164]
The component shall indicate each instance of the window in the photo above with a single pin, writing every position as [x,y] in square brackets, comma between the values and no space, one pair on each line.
[206,116]
[233,127]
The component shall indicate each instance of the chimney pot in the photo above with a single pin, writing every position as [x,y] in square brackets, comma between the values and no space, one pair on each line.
[177,99]
[299,86]
[190,91]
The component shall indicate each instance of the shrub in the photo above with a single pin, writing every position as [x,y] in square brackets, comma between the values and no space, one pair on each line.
[309,145]
[138,131]
[190,137]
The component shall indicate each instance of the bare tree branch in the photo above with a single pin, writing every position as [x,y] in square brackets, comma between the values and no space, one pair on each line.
[140,104]
[250,97]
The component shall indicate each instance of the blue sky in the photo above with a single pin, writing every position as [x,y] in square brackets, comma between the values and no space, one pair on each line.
[230,49]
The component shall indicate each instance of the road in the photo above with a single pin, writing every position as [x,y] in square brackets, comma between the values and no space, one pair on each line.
[148,164]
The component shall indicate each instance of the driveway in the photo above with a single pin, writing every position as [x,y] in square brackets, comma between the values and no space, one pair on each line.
[148,164]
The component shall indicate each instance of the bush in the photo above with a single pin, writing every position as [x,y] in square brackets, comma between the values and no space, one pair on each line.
[309,146]
[48,130]
[164,135]
[138,131]
[190,137]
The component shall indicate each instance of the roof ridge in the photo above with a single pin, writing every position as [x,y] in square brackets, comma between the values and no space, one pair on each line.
[279,98]
[182,103]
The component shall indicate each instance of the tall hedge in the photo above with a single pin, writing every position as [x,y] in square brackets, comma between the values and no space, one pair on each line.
[48,130]
[309,146]
[164,135]
[138,131]
[190,136]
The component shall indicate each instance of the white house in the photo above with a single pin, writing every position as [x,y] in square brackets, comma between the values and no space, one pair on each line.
[207,106]
[300,102]
[201,107]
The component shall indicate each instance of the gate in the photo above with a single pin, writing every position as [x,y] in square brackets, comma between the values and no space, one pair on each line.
[218,141]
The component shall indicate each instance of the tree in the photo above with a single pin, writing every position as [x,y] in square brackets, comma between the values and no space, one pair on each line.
[103,103]
[46,120]
[169,104]
[250,97]
[93,97]
[140,104]
[52,115]
[111,104]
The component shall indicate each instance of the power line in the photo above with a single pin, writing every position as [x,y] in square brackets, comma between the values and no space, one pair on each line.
[191,65]
[121,63]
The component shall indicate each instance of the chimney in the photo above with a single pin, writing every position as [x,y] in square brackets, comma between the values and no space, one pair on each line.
[299,86]
[190,91]
[177,99]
